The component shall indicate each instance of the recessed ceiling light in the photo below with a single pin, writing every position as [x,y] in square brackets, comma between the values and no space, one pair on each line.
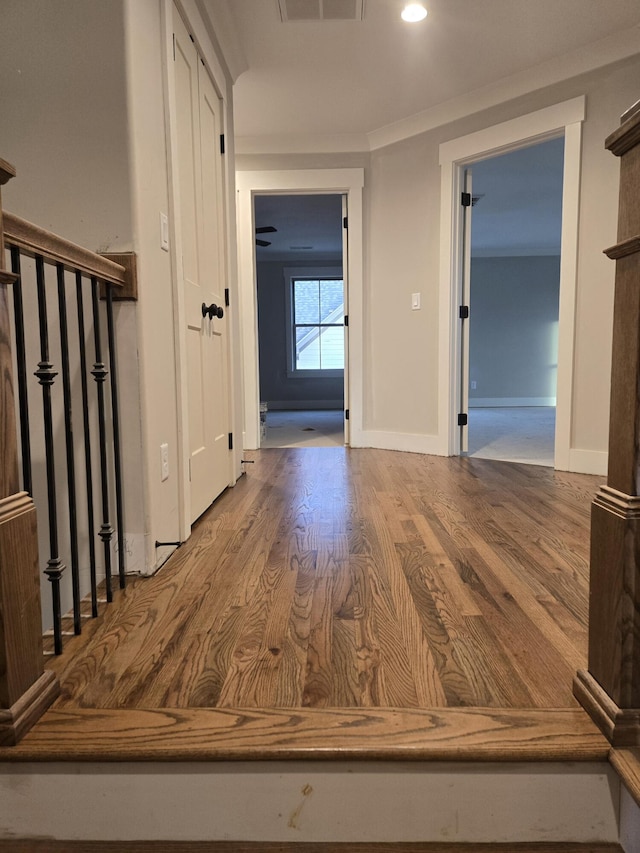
[414,12]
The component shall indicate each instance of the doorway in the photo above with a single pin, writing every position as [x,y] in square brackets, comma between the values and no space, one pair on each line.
[562,119]
[301,294]
[348,183]
[513,301]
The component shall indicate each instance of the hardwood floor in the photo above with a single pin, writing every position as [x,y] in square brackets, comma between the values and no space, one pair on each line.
[337,578]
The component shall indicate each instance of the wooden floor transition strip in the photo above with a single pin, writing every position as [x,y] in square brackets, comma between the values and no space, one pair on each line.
[206,734]
[627,764]
[38,846]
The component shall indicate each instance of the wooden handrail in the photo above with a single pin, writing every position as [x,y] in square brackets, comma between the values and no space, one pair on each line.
[32,239]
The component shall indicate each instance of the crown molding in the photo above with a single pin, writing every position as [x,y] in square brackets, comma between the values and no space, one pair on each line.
[590,57]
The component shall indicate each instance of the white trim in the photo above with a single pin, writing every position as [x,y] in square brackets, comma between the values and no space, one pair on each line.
[509,402]
[613,48]
[568,287]
[307,181]
[454,155]
[588,462]
[405,441]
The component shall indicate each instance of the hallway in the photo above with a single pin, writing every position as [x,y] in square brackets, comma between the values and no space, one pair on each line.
[336,578]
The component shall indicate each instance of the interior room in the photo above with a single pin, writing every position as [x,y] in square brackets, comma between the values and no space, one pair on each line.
[401,633]
[301,364]
[514,303]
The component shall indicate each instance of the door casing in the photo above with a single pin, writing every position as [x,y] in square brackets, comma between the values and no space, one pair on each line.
[349,182]
[560,119]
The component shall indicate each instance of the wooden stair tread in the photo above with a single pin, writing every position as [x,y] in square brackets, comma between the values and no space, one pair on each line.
[208,734]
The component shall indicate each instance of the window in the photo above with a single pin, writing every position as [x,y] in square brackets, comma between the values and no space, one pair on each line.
[316,325]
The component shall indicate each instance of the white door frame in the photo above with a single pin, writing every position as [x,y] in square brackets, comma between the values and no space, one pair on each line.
[564,118]
[306,182]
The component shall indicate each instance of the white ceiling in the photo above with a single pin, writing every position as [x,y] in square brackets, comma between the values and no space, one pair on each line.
[356,77]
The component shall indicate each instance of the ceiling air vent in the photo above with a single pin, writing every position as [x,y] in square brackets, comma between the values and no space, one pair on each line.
[321,10]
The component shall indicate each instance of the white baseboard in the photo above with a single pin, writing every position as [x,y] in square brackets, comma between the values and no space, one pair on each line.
[588,461]
[509,402]
[408,442]
[302,405]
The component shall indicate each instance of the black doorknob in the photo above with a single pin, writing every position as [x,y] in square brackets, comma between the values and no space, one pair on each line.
[212,311]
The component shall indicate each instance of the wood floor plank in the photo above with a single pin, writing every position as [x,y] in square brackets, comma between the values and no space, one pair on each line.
[331,577]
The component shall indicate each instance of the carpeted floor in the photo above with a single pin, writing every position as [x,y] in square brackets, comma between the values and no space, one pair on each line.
[524,434]
[318,428]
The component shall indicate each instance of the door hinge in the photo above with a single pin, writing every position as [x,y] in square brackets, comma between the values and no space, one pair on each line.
[465,199]
[226,297]
[230,441]
[192,38]
[222,143]
[346,414]
[464,312]
[174,47]
[463,419]
[346,319]
[345,222]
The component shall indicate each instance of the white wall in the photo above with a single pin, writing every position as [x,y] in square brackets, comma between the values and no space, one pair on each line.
[402,231]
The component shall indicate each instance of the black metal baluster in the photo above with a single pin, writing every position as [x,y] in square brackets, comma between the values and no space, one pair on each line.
[46,376]
[68,431]
[99,373]
[91,527]
[21,372]
[115,413]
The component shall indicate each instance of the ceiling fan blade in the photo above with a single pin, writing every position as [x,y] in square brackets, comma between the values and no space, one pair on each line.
[262,243]
[266,229]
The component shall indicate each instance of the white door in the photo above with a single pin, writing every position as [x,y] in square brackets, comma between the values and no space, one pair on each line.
[202,267]
[345,280]
[464,312]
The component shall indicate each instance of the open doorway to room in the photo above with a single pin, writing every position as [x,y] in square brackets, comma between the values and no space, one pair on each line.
[301,298]
[513,303]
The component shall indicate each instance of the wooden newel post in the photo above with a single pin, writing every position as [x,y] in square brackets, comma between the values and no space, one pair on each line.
[610,689]
[25,689]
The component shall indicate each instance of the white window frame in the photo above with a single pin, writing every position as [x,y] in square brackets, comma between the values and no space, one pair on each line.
[312,274]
